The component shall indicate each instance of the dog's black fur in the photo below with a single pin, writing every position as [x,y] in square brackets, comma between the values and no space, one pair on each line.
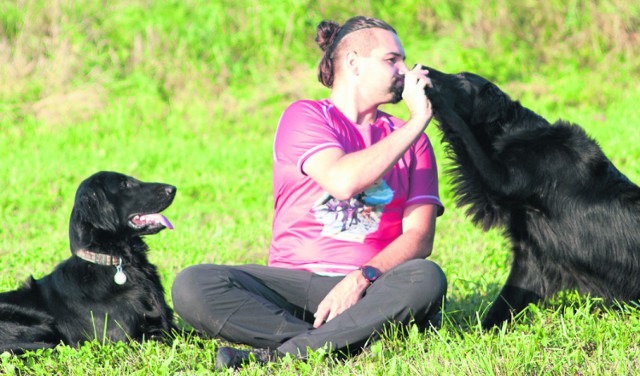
[79,300]
[572,218]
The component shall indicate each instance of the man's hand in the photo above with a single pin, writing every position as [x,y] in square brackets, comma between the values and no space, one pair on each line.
[342,296]
[414,96]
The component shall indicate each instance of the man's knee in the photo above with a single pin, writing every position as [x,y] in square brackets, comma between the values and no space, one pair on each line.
[182,290]
[434,275]
[424,282]
[192,285]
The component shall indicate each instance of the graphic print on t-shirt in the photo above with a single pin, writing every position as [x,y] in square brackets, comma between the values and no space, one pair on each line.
[353,219]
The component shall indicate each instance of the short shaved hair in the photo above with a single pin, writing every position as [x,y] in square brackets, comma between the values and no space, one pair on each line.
[355,34]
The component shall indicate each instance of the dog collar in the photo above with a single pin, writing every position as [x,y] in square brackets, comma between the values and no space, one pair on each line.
[98,258]
[101,259]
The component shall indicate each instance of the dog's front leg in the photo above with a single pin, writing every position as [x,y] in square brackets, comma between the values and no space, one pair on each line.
[158,325]
[523,286]
[155,331]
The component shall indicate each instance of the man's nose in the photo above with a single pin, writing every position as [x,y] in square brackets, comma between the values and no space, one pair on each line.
[403,69]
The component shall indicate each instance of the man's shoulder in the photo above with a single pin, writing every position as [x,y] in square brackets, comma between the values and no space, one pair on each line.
[306,110]
[316,104]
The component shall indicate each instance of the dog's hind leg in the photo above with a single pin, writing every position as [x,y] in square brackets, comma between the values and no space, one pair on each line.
[19,348]
[523,286]
[23,328]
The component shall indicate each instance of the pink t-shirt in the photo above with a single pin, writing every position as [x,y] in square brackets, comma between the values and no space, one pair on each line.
[315,232]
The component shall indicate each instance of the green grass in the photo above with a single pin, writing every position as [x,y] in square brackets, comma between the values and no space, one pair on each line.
[190,92]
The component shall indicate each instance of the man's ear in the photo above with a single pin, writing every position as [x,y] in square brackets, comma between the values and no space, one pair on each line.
[352,62]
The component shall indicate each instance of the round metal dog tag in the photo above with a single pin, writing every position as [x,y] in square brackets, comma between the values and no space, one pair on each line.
[120,278]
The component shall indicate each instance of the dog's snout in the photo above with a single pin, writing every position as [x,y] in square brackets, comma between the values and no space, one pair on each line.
[170,190]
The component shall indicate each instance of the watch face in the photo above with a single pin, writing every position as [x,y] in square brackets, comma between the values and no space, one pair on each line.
[370,273]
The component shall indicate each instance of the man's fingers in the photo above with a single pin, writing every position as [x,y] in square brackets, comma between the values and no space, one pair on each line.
[419,70]
[424,82]
[429,83]
[320,315]
[417,76]
[419,67]
[327,314]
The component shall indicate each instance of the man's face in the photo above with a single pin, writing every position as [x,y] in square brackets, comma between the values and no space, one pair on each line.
[383,70]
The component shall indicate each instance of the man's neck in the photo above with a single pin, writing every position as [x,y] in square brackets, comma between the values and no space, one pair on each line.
[354,109]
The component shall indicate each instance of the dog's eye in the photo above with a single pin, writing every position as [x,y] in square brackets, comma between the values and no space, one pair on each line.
[126,183]
[132,183]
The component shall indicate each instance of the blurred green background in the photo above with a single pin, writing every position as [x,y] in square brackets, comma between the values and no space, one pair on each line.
[190,92]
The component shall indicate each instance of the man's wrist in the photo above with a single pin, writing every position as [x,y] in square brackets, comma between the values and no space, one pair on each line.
[421,121]
[370,273]
[361,282]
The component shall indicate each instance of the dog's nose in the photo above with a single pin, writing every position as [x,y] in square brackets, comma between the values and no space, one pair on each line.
[170,190]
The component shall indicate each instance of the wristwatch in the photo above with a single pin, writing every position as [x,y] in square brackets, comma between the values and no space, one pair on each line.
[370,273]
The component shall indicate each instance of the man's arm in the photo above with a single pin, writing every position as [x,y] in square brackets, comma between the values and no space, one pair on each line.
[344,175]
[416,241]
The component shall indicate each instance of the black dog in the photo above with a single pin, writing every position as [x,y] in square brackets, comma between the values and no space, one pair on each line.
[107,289]
[572,218]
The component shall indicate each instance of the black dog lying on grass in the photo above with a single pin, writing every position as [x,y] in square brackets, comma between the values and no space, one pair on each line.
[572,218]
[107,289]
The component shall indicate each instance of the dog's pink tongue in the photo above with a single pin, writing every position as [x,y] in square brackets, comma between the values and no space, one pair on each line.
[160,219]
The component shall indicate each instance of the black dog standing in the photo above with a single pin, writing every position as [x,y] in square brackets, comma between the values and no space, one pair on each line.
[572,218]
[107,289]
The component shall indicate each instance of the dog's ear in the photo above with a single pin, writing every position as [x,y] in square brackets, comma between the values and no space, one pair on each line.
[92,209]
[491,105]
[91,212]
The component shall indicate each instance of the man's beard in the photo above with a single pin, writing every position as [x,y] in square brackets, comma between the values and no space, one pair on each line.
[396,90]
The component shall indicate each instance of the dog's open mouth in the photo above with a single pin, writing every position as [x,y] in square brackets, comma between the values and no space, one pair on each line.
[150,220]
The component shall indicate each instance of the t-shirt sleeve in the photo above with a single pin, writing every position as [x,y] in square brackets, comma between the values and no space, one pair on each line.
[303,130]
[424,176]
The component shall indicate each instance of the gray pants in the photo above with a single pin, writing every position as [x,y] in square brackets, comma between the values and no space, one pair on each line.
[273,308]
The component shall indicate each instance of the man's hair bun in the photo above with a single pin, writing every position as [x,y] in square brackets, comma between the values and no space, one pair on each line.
[326,34]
